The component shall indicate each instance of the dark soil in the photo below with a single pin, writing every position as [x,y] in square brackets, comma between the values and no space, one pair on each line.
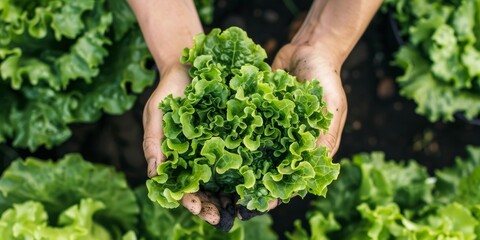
[379,119]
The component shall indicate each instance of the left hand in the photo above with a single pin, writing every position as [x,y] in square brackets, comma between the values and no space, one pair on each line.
[308,62]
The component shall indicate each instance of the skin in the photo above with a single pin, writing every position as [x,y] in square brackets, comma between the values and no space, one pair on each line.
[318,50]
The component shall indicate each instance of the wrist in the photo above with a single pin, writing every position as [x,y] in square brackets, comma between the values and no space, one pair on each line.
[336,26]
[172,67]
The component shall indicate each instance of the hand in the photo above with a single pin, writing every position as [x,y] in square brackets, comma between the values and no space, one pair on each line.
[216,211]
[308,62]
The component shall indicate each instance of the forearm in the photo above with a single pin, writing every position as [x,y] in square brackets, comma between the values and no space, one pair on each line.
[168,27]
[336,25]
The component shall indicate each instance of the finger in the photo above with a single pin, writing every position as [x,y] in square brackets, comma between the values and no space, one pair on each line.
[223,216]
[209,208]
[210,213]
[245,214]
[192,202]
[331,139]
[281,61]
[152,125]
[277,64]
[274,203]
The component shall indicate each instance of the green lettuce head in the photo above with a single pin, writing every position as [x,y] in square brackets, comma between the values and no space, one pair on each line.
[68,199]
[242,129]
[64,62]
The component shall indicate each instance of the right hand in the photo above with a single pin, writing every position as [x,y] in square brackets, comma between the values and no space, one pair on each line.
[217,211]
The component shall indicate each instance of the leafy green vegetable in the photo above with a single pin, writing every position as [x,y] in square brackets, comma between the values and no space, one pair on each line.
[441,58]
[56,187]
[170,224]
[241,128]
[29,220]
[460,182]
[66,61]
[377,199]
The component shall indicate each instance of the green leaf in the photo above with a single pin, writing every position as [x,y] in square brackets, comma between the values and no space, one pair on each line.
[377,199]
[123,18]
[29,220]
[57,186]
[435,98]
[67,62]
[440,57]
[231,49]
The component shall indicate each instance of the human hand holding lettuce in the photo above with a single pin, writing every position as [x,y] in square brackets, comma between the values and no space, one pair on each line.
[310,63]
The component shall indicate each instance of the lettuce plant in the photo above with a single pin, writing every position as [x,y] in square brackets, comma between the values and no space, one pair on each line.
[29,220]
[441,56]
[69,198]
[242,129]
[377,199]
[63,62]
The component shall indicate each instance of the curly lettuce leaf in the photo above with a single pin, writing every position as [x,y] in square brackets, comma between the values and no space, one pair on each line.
[452,221]
[377,199]
[231,49]
[123,18]
[435,99]
[79,60]
[320,226]
[371,179]
[241,128]
[29,220]
[59,185]
[67,62]
[459,182]
[441,56]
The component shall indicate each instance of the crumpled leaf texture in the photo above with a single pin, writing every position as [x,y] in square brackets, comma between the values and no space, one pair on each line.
[441,57]
[241,128]
[63,62]
[375,198]
[57,186]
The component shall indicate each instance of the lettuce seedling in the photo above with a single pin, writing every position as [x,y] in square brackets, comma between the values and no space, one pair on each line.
[242,129]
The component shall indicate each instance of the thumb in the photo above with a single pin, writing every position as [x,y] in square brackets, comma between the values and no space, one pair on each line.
[152,125]
[151,149]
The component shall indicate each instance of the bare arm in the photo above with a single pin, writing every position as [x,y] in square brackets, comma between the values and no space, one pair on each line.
[168,27]
[337,25]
